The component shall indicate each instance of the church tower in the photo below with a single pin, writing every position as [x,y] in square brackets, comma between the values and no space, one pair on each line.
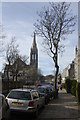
[34,54]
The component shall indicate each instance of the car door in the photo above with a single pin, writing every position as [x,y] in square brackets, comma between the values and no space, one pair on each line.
[42,99]
[36,99]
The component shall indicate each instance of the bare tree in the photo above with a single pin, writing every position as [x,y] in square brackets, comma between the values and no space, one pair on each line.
[14,60]
[24,58]
[12,51]
[54,24]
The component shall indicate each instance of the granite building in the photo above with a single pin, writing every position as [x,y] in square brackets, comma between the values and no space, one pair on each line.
[20,71]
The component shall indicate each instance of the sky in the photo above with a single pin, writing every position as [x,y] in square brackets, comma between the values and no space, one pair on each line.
[18,19]
[79,22]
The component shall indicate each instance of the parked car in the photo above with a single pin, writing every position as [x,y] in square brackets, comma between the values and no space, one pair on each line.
[50,89]
[44,92]
[24,100]
[4,108]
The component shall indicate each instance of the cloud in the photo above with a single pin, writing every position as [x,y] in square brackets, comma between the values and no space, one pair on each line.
[19,22]
[18,28]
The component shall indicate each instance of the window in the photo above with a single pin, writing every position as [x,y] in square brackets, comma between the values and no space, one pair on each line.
[35,95]
[35,56]
[32,56]
[22,95]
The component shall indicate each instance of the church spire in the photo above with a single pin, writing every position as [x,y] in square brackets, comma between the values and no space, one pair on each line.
[34,53]
[34,41]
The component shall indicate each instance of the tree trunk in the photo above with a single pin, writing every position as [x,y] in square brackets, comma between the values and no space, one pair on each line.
[56,74]
[8,80]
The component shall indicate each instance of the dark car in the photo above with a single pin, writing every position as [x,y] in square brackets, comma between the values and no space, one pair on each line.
[4,108]
[50,90]
[44,92]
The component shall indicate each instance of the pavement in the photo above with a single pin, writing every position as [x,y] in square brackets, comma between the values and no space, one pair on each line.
[65,107]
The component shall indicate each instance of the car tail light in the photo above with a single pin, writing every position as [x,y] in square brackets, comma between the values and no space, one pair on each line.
[31,104]
[7,106]
[6,100]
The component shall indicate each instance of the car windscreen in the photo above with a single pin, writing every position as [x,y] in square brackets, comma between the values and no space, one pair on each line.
[22,95]
[41,90]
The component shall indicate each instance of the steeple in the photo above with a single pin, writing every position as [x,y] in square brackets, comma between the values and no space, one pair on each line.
[34,53]
[34,41]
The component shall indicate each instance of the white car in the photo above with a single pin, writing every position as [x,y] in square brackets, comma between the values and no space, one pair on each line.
[24,100]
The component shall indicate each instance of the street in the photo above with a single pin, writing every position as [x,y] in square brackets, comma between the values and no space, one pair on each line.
[65,107]
[21,116]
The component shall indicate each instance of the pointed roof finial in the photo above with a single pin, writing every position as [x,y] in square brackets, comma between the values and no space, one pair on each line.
[34,35]
[34,41]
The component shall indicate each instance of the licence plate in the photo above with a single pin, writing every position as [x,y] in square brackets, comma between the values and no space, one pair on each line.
[17,104]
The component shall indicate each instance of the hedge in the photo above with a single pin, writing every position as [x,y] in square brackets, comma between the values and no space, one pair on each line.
[78,92]
[63,85]
[73,87]
[70,86]
[68,83]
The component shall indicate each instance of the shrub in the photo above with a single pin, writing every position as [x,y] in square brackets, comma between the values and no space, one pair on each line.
[78,91]
[73,87]
[68,84]
[63,85]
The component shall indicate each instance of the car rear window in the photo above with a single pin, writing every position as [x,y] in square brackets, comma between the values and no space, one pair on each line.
[22,95]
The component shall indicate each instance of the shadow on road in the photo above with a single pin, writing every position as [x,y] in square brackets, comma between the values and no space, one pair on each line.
[24,116]
[20,116]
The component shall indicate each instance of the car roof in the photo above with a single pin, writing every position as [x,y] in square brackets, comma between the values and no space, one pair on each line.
[43,86]
[23,89]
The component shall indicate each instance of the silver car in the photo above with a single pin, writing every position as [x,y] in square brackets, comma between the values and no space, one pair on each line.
[24,100]
[4,108]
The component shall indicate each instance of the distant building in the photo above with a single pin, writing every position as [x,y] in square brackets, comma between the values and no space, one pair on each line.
[76,63]
[65,72]
[49,79]
[75,72]
[71,70]
[20,71]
